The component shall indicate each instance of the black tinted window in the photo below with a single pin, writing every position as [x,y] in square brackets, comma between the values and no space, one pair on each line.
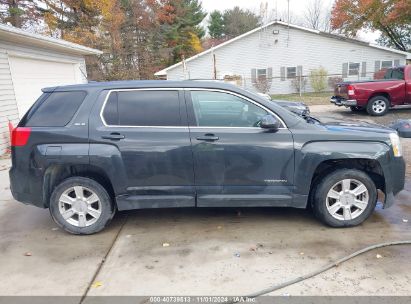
[56,110]
[110,113]
[143,108]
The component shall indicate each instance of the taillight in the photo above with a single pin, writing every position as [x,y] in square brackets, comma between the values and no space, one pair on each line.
[351,90]
[20,136]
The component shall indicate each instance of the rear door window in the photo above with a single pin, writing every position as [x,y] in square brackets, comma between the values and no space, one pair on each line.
[56,110]
[142,108]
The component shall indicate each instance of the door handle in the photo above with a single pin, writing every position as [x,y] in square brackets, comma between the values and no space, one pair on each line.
[208,137]
[113,136]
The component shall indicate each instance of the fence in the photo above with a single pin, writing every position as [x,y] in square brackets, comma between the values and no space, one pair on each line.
[297,84]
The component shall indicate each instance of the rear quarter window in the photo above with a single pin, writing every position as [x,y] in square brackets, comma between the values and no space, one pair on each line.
[55,110]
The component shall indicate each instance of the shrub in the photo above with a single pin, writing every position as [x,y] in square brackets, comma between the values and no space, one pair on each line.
[299,83]
[262,84]
[332,81]
[318,79]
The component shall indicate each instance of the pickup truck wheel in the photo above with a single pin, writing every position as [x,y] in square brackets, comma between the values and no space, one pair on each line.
[378,106]
[80,205]
[345,198]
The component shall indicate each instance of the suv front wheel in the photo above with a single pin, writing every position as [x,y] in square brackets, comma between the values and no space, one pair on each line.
[345,198]
[80,205]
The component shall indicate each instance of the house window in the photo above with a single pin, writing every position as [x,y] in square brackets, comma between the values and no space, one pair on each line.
[386,64]
[353,68]
[291,72]
[262,74]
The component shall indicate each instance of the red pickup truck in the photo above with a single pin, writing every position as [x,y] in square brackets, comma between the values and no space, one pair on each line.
[376,96]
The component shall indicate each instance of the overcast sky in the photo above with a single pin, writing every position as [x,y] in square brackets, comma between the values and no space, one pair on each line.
[297,8]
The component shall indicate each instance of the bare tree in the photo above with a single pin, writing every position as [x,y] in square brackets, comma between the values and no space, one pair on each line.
[327,20]
[313,14]
[317,15]
[286,16]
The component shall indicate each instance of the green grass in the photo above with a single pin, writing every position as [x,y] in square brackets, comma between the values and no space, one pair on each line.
[308,98]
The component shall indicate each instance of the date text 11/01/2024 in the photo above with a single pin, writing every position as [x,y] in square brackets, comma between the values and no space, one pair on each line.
[202,299]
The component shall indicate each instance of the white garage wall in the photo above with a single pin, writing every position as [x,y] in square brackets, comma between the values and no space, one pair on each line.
[8,105]
[29,76]
[8,92]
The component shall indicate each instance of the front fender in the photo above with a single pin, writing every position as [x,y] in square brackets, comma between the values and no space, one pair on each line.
[313,154]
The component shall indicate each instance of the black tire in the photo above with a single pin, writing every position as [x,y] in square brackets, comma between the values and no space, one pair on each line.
[356,109]
[378,106]
[106,206]
[325,185]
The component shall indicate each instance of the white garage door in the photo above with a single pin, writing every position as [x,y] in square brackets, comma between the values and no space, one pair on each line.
[31,75]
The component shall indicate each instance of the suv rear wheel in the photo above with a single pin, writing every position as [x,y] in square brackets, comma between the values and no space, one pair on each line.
[81,206]
[345,198]
[378,106]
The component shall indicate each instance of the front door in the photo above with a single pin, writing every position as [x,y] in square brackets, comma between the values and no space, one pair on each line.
[236,162]
[148,127]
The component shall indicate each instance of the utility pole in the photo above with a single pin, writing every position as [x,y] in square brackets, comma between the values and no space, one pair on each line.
[288,21]
[214,67]
[185,71]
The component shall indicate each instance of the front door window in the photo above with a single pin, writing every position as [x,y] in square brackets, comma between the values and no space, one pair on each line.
[217,109]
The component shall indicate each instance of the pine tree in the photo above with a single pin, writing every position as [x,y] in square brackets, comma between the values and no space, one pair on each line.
[238,21]
[183,31]
[216,26]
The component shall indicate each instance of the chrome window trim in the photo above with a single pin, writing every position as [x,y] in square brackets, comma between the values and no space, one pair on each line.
[284,126]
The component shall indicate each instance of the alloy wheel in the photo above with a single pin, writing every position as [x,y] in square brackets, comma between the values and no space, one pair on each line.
[347,199]
[379,106]
[80,206]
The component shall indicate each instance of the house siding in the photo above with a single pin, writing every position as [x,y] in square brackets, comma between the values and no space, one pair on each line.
[8,104]
[291,47]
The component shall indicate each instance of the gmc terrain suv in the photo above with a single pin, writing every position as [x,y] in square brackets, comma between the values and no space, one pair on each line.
[85,151]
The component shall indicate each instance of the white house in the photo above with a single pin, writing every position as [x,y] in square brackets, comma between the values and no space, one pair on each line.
[278,53]
[30,62]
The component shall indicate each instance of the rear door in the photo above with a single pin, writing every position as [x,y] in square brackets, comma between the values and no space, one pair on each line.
[236,162]
[148,127]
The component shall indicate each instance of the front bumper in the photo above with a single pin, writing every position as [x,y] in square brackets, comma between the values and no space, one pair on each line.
[394,174]
[338,101]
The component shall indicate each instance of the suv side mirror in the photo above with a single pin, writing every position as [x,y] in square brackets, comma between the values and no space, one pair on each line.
[269,122]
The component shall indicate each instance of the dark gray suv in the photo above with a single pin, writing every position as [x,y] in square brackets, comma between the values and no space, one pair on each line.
[85,151]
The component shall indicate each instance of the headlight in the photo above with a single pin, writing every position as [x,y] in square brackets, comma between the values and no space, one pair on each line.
[396,144]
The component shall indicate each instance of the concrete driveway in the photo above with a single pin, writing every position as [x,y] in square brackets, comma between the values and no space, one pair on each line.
[209,252]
